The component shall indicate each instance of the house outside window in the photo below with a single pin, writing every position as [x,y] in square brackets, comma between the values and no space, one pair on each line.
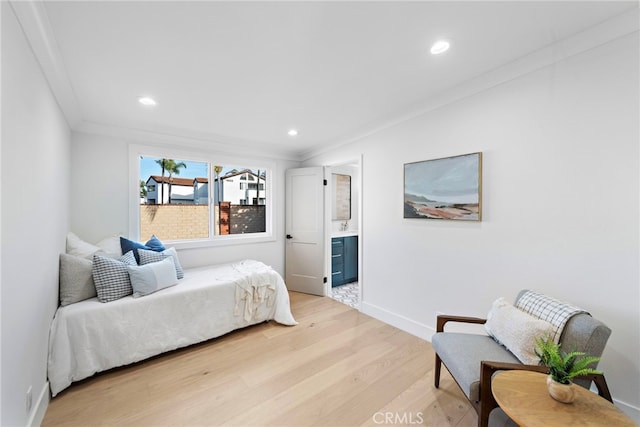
[201,202]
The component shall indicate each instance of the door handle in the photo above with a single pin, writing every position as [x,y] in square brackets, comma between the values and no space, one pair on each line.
[289,236]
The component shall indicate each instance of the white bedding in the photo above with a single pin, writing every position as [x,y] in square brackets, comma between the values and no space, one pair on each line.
[90,336]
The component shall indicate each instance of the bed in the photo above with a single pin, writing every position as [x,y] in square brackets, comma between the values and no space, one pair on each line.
[89,336]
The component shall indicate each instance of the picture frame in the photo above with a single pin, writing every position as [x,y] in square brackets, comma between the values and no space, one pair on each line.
[448,188]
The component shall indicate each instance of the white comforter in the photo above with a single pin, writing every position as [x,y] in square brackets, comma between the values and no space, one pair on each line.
[90,336]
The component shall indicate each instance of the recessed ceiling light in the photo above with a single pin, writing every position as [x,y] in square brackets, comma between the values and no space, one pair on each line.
[293,132]
[145,100]
[441,46]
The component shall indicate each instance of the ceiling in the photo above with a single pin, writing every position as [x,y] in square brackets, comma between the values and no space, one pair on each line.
[244,73]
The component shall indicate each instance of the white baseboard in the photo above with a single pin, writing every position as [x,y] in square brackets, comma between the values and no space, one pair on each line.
[40,408]
[411,326]
[630,410]
[425,332]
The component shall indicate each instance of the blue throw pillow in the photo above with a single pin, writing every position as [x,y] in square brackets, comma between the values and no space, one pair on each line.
[129,245]
[155,244]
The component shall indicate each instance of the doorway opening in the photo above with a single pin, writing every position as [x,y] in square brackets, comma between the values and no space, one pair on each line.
[348,294]
[344,237]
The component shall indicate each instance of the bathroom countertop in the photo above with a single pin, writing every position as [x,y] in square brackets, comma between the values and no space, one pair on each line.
[344,233]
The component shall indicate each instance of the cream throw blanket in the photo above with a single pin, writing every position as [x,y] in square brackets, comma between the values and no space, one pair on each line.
[256,286]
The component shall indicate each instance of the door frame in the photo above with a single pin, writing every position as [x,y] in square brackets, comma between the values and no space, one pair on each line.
[358,161]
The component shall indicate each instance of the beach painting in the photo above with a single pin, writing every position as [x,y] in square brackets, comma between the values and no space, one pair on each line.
[448,188]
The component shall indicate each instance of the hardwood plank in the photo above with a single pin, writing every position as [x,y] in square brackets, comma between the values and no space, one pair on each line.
[337,367]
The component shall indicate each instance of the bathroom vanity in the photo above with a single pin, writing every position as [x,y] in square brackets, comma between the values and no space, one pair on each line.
[344,258]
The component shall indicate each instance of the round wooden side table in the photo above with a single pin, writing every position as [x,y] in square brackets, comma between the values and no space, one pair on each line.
[523,396]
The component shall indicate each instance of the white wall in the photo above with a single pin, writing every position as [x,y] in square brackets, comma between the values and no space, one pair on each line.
[35,206]
[560,204]
[100,166]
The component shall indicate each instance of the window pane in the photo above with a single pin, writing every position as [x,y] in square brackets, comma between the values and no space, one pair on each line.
[239,208]
[174,199]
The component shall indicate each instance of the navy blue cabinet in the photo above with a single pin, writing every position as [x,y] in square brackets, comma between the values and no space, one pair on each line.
[344,260]
[337,261]
[350,259]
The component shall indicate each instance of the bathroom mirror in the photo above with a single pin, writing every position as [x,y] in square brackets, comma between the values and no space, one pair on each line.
[341,185]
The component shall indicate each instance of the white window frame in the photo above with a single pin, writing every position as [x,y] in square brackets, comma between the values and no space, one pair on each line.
[212,158]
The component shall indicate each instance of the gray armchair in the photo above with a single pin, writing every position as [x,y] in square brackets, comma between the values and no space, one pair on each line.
[472,359]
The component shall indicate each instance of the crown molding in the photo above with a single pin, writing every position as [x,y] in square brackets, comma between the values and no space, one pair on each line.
[33,19]
[35,24]
[184,139]
[598,35]
[36,27]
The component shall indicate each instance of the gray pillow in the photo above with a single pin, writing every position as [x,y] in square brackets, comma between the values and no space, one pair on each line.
[147,257]
[149,278]
[111,276]
[76,281]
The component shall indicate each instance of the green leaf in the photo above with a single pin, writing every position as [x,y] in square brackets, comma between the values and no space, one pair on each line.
[563,367]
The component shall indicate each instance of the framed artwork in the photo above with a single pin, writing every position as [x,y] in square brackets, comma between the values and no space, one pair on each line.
[448,188]
[342,200]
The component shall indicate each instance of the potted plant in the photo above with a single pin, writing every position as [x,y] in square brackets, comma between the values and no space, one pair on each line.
[563,368]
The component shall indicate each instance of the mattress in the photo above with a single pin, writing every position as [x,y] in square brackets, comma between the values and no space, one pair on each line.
[89,336]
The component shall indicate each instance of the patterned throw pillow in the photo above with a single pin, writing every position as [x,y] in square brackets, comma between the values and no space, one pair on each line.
[128,258]
[111,276]
[147,257]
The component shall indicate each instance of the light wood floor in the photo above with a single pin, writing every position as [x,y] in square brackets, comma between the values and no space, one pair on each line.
[338,367]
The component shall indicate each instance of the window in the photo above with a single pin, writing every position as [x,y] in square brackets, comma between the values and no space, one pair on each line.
[195,201]
[256,186]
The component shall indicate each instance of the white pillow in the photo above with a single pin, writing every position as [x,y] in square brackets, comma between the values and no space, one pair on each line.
[516,330]
[149,278]
[110,245]
[78,247]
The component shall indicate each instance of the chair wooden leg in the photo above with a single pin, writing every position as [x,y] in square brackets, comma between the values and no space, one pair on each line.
[601,384]
[436,376]
[487,401]
[483,418]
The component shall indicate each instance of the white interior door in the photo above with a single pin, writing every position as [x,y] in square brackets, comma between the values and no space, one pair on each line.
[304,223]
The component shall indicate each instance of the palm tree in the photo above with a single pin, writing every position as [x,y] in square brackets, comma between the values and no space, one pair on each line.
[163,165]
[169,165]
[174,169]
